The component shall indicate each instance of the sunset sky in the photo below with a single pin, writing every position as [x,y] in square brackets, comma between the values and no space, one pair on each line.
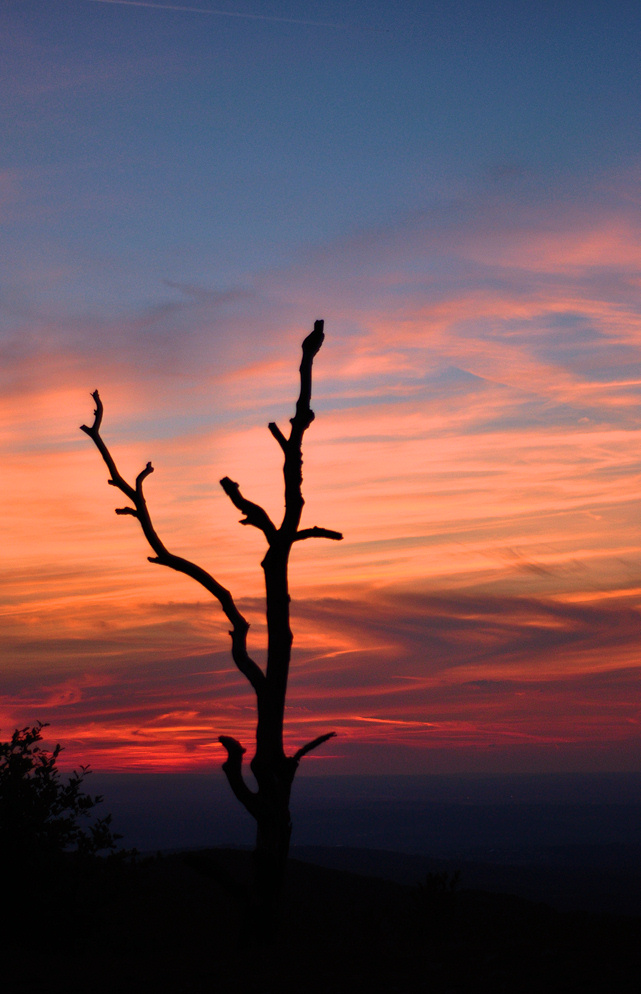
[455,187]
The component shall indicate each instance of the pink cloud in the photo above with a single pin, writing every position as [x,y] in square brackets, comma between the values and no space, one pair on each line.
[402,669]
[476,441]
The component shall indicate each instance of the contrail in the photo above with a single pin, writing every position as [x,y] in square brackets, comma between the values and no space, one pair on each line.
[221,13]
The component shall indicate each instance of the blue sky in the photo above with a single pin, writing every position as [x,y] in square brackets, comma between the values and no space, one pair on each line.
[144,141]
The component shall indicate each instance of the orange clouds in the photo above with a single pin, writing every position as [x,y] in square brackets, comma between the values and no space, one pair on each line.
[477,441]
[407,672]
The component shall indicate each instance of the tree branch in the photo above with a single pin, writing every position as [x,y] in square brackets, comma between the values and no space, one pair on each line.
[240,626]
[254,514]
[293,468]
[317,532]
[142,476]
[311,346]
[312,745]
[233,771]
[278,435]
[94,433]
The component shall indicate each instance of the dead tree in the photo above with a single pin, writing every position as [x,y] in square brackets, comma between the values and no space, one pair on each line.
[273,770]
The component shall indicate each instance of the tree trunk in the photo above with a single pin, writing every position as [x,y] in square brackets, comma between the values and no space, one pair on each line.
[273,834]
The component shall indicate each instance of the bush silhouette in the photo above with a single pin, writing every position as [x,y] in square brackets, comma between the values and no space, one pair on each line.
[44,818]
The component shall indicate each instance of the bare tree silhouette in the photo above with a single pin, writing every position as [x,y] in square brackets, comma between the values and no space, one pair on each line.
[273,771]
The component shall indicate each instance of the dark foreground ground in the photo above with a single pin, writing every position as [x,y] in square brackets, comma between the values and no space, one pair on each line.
[177,924]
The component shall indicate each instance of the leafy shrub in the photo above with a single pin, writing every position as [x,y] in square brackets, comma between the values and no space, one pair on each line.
[435,901]
[435,884]
[41,815]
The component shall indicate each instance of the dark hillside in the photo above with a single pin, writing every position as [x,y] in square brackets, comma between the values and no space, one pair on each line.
[177,924]
[595,878]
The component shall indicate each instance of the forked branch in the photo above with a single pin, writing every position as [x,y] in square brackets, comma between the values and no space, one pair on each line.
[163,557]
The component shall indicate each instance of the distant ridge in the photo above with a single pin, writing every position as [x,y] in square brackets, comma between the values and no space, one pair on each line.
[472,817]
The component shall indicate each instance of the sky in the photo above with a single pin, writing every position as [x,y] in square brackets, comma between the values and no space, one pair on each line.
[454,187]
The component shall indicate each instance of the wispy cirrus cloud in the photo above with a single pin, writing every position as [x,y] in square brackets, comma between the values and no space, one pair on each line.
[476,441]
[409,671]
